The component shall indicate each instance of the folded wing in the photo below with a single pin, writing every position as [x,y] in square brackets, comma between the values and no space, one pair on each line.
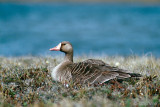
[95,71]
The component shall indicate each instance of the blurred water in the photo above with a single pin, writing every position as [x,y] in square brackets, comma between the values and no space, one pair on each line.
[112,29]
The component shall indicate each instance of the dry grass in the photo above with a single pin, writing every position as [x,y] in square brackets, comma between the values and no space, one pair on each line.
[26,81]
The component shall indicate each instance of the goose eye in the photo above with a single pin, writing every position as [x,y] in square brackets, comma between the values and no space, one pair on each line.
[63,44]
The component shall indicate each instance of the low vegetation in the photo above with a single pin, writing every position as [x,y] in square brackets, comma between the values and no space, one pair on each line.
[26,81]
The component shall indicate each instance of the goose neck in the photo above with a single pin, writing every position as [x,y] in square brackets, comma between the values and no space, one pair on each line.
[68,57]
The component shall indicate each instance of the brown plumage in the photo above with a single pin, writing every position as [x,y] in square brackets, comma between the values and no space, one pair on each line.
[90,71]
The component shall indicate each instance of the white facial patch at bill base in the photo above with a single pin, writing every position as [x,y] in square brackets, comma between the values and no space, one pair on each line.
[58,46]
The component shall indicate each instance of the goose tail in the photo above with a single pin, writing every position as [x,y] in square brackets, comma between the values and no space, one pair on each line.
[135,75]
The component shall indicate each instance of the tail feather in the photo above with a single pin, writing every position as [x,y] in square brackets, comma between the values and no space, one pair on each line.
[135,75]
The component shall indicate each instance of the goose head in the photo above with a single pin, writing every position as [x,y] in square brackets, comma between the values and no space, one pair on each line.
[64,46]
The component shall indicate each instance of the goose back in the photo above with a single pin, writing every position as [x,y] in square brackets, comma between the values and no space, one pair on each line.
[94,71]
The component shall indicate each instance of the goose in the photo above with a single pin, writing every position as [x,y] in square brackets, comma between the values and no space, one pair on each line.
[91,71]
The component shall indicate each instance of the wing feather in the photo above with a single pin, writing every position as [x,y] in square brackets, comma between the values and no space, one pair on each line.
[95,71]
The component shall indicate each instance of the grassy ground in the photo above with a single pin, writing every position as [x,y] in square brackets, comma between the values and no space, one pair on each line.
[26,81]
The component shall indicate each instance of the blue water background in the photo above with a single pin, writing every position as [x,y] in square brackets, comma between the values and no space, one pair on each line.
[110,29]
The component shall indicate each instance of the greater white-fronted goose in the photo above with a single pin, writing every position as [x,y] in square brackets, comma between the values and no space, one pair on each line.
[90,71]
